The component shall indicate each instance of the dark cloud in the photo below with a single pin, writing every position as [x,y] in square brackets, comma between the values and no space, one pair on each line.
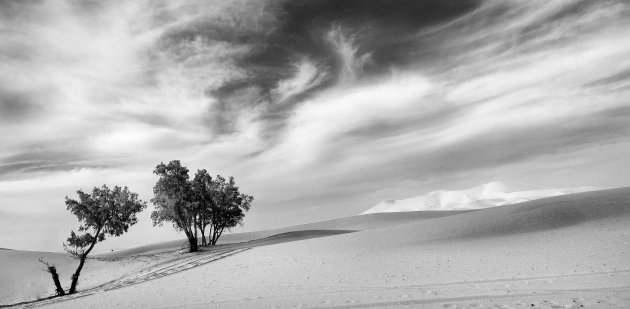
[382,28]
[49,157]
[383,32]
[612,80]
[47,166]
[17,106]
[428,120]
[37,166]
[20,49]
[13,8]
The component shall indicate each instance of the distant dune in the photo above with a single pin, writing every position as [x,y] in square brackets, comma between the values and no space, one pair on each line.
[533,216]
[568,251]
[491,194]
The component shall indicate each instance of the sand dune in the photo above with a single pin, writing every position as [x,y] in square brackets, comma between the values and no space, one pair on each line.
[23,277]
[353,223]
[562,252]
[28,281]
[534,216]
[491,194]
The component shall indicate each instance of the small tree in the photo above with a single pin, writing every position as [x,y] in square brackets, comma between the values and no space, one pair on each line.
[173,200]
[101,213]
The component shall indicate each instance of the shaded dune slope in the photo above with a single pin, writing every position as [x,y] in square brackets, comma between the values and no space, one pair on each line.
[348,224]
[604,208]
[538,215]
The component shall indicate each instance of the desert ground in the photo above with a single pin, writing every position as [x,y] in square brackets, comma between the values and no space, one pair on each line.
[570,251]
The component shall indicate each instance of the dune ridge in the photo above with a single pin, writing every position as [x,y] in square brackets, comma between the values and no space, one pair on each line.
[532,216]
[492,194]
[352,223]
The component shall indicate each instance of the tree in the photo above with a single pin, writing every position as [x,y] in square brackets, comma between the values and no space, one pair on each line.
[194,205]
[173,200]
[102,213]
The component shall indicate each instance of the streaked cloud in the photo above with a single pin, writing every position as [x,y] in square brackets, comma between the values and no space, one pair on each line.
[307,76]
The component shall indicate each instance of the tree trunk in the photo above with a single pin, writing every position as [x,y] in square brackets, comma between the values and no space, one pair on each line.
[193,245]
[203,236]
[83,257]
[220,233]
[192,242]
[213,241]
[75,277]
[217,234]
[55,276]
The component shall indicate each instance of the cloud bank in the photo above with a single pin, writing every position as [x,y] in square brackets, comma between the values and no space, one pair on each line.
[318,108]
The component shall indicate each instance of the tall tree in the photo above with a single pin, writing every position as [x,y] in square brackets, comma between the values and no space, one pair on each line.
[102,213]
[173,200]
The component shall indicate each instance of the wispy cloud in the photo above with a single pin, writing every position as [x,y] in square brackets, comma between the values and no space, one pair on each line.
[345,47]
[307,76]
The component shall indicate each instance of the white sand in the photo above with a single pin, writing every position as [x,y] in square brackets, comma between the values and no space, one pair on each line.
[22,277]
[562,252]
[354,223]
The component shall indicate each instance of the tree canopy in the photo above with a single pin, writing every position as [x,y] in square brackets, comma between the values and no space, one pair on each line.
[194,205]
[228,207]
[173,200]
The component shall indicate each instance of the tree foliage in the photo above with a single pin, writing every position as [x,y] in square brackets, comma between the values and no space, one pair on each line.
[197,204]
[228,207]
[101,213]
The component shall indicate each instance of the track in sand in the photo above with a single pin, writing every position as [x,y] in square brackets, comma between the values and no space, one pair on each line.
[171,263]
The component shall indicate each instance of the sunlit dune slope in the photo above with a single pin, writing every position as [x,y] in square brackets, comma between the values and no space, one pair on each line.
[23,277]
[26,279]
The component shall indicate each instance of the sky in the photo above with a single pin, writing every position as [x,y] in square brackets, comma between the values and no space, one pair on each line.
[320,109]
